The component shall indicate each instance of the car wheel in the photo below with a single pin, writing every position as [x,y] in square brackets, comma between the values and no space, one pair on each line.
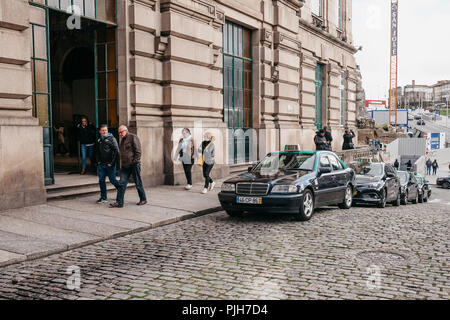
[382,202]
[405,199]
[348,198]
[306,207]
[420,198]
[398,200]
[416,199]
[425,199]
[234,213]
[446,185]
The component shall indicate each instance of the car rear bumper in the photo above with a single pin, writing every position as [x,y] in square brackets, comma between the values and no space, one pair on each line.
[270,203]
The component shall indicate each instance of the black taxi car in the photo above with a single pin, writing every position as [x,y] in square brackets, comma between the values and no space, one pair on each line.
[424,188]
[376,183]
[294,182]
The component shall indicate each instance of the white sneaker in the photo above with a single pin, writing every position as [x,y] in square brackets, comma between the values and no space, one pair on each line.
[204,191]
[188,187]
[211,186]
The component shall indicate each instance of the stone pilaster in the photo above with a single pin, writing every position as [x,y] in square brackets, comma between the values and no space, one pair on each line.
[21,145]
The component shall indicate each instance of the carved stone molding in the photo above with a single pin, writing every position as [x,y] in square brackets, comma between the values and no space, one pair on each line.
[161,44]
[203,10]
[266,37]
[283,41]
[294,4]
[275,74]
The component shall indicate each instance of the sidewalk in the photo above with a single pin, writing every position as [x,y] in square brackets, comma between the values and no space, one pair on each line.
[61,225]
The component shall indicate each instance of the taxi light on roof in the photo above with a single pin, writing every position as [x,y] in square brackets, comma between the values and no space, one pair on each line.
[292,147]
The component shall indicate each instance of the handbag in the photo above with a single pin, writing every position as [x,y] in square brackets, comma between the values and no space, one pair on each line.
[201,160]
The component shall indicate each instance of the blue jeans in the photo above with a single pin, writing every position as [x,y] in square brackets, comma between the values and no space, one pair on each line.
[86,151]
[125,173]
[105,171]
[428,170]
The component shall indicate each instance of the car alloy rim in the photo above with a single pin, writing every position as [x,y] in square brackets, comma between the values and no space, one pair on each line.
[348,196]
[308,204]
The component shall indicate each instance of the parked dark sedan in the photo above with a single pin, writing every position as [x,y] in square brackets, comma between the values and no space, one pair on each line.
[443,182]
[377,183]
[291,181]
[424,188]
[421,123]
[409,187]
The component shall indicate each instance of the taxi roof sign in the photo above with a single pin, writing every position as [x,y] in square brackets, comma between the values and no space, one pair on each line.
[292,147]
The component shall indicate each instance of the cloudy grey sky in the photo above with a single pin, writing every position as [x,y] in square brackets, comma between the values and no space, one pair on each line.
[423,45]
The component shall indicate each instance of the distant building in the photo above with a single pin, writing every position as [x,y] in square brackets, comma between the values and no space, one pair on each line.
[441,91]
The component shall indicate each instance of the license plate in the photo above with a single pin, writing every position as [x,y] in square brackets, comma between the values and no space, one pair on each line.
[249,200]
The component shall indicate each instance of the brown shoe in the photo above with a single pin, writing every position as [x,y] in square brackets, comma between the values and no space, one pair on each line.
[83,172]
[141,203]
[116,205]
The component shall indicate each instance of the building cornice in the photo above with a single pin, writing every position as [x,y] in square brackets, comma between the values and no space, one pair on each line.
[319,32]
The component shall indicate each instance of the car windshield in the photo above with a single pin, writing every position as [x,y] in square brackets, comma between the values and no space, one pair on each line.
[276,162]
[402,176]
[370,169]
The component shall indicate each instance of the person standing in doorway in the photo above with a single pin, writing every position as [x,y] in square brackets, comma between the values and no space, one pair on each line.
[396,164]
[86,136]
[428,163]
[186,154]
[107,157]
[328,137]
[348,140]
[435,167]
[207,151]
[130,159]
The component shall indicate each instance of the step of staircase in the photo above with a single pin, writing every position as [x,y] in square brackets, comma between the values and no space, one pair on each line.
[67,192]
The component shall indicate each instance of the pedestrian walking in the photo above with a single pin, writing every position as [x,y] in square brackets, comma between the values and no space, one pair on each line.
[107,157]
[186,153]
[348,140]
[435,167]
[328,137]
[130,161]
[207,161]
[408,165]
[61,141]
[320,140]
[86,136]
[396,164]
[428,163]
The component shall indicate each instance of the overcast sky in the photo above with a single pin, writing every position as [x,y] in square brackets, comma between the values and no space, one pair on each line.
[423,45]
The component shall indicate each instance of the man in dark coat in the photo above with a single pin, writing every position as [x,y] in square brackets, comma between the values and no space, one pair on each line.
[107,157]
[86,136]
[428,163]
[408,165]
[320,140]
[328,137]
[435,166]
[396,164]
[348,140]
[130,158]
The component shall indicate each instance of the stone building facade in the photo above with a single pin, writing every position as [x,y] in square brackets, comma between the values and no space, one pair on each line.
[257,74]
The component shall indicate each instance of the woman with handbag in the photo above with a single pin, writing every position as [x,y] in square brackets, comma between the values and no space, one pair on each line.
[207,161]
[186,155]
[348,140]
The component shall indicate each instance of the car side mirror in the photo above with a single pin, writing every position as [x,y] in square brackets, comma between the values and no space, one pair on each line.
[324,170]
[249,169]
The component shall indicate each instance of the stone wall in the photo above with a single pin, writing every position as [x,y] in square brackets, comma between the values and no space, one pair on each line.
[21,147]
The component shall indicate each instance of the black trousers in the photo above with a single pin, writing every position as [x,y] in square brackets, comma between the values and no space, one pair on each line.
[125,173]
[188,172]
[206,172]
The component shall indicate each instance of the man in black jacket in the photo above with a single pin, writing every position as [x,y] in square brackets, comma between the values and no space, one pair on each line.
[107,157]
[86,136]
[348,140]
[328,137]
[320,140]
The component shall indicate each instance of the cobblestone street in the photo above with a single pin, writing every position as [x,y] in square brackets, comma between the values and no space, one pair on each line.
[362,253]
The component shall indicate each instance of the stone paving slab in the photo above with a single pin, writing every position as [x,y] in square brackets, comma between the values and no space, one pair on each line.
[44,232]
[6,256]
[39,215]
[28,246]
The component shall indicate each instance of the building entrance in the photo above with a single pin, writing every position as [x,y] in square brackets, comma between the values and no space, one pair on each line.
[75,76]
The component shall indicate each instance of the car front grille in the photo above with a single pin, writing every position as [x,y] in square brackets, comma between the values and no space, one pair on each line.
[252,189]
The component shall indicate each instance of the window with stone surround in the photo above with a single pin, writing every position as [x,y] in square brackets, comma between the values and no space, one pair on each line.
[317,7]
[340,14]
[237,64]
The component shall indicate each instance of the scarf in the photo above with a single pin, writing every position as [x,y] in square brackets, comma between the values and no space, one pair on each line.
[184,145]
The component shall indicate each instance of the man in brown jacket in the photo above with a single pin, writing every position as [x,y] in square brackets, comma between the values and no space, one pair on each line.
[130,158]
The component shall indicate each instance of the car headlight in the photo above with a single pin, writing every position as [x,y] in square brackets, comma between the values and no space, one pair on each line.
[285,188]
[228,187]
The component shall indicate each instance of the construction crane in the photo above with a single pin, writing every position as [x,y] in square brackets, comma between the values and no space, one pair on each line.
[394,62]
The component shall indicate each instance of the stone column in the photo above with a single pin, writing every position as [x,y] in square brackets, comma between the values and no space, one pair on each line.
[21,138]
